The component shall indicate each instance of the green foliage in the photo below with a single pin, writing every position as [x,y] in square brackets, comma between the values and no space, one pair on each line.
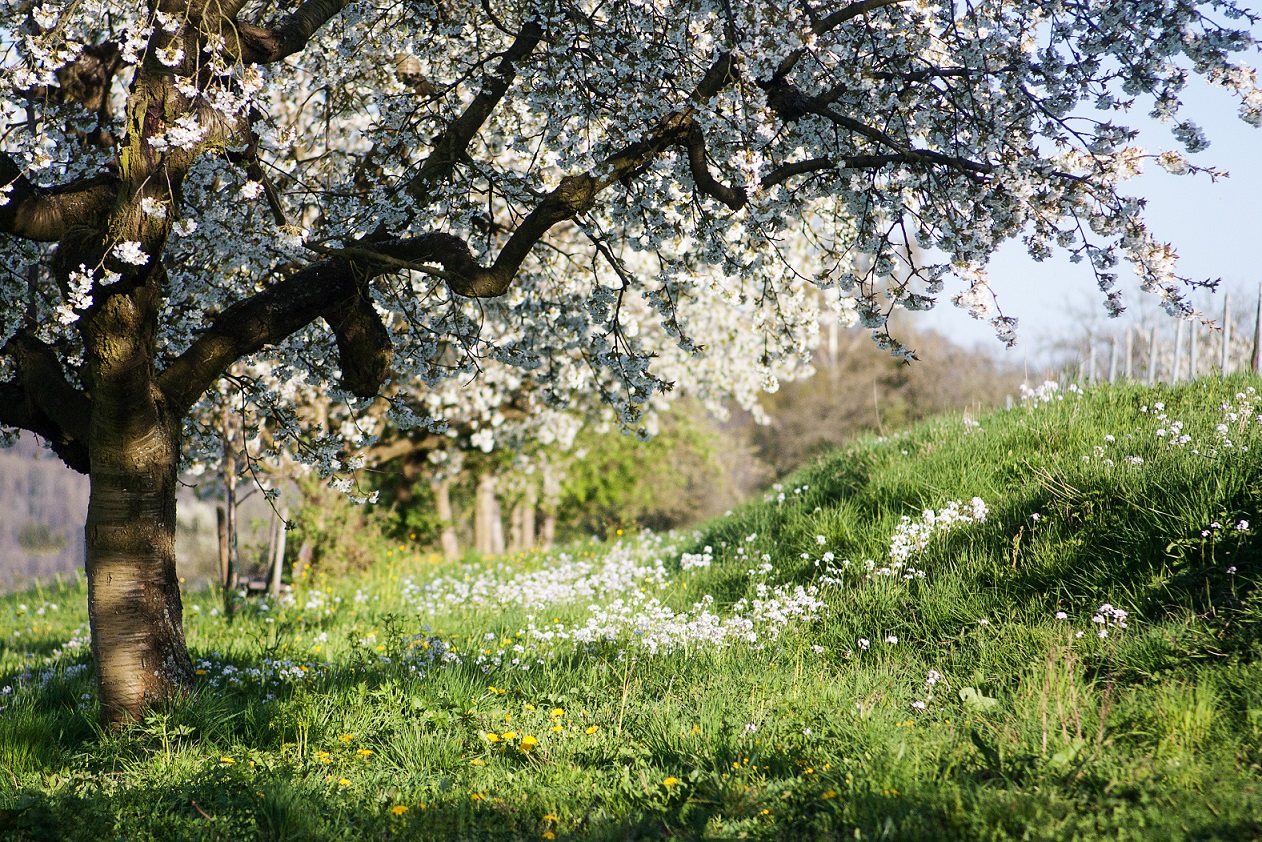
[39,538]
[622,483]
[343,536]
[1028,732]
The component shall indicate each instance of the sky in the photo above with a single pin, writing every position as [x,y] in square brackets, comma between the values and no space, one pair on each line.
[1215,226]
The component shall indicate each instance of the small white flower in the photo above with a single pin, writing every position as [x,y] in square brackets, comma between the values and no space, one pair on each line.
[1061,615]
[171,55]
[821,540]
[982,621]
[152,207]
[891,639]
[252,189]
[864,643]
[1231,571]
[932,678]
[129,251]
[184,227]
[918,705]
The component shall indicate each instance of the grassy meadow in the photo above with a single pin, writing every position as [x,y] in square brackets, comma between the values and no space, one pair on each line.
[1074,655]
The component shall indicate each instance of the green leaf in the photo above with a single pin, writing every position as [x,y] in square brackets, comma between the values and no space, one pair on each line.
[973,698]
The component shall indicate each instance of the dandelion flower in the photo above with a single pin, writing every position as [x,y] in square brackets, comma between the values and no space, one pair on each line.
[346,738]
[547,834]
[593,729]
[364,752]
[227,760]
[550,817]
[829,793]
[492,737]
[670,781]
[558,712]
[509,735]
[344,782]
[528,742]
[399,809]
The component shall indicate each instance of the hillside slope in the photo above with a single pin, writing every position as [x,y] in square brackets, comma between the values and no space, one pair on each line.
[1040,625]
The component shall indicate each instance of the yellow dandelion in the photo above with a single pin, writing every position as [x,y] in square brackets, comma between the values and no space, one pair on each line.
[528,742]
[529,706]
[344,782]
[829,793]
[477,796]
[476,762]
[509,735]
[550,817]
[547,834]
[558,712]
[492,737]
[200,672]
[670,781]
[324,757]
[364,752]
[346,738]
[556,729]
[593,729]
[399,809]
[227,760]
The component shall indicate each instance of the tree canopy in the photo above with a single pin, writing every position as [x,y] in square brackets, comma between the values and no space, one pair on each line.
[611,196]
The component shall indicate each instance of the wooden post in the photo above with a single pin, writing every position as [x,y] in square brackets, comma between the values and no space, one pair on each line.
[1091,364]
[1130,352]
[1178,351]
[1226,355]
[1113,361]
[1152,357]
[1194,363]
[1255,362]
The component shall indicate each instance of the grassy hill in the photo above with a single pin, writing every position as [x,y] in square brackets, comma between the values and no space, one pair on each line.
[868,652]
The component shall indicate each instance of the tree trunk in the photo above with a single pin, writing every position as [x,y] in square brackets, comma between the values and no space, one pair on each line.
[488,528]
[442,497]
[134,606]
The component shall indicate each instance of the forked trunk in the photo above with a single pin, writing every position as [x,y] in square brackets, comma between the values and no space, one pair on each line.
[134,605]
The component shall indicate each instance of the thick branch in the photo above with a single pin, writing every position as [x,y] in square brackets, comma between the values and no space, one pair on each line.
[734,197]
[44,214]
[849,12]
[42,401]
[451,144]
[259,45]
[363,344]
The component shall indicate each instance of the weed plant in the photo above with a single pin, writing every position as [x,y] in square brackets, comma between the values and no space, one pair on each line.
[1075,658]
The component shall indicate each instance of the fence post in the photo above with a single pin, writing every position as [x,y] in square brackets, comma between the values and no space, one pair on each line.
[1113,361]
[1178,351]
[1091,364]
[1226,332]
[1152,357]
[1194,356]
[1130,352]
[1256,362]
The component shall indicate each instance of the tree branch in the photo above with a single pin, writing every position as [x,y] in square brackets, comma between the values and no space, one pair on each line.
[259,45]
[734,197]
[849,12]
[44,214]
[42,401]
[451,144]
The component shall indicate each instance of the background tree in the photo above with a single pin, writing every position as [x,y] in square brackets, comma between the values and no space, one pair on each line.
[191,183]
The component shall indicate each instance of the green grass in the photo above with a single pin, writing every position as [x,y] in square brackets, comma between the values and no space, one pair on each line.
[1032,732]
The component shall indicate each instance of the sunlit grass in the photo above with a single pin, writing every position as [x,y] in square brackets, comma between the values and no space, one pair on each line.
[978,701]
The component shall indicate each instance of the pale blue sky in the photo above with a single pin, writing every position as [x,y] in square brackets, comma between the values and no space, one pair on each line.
[1216,227]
